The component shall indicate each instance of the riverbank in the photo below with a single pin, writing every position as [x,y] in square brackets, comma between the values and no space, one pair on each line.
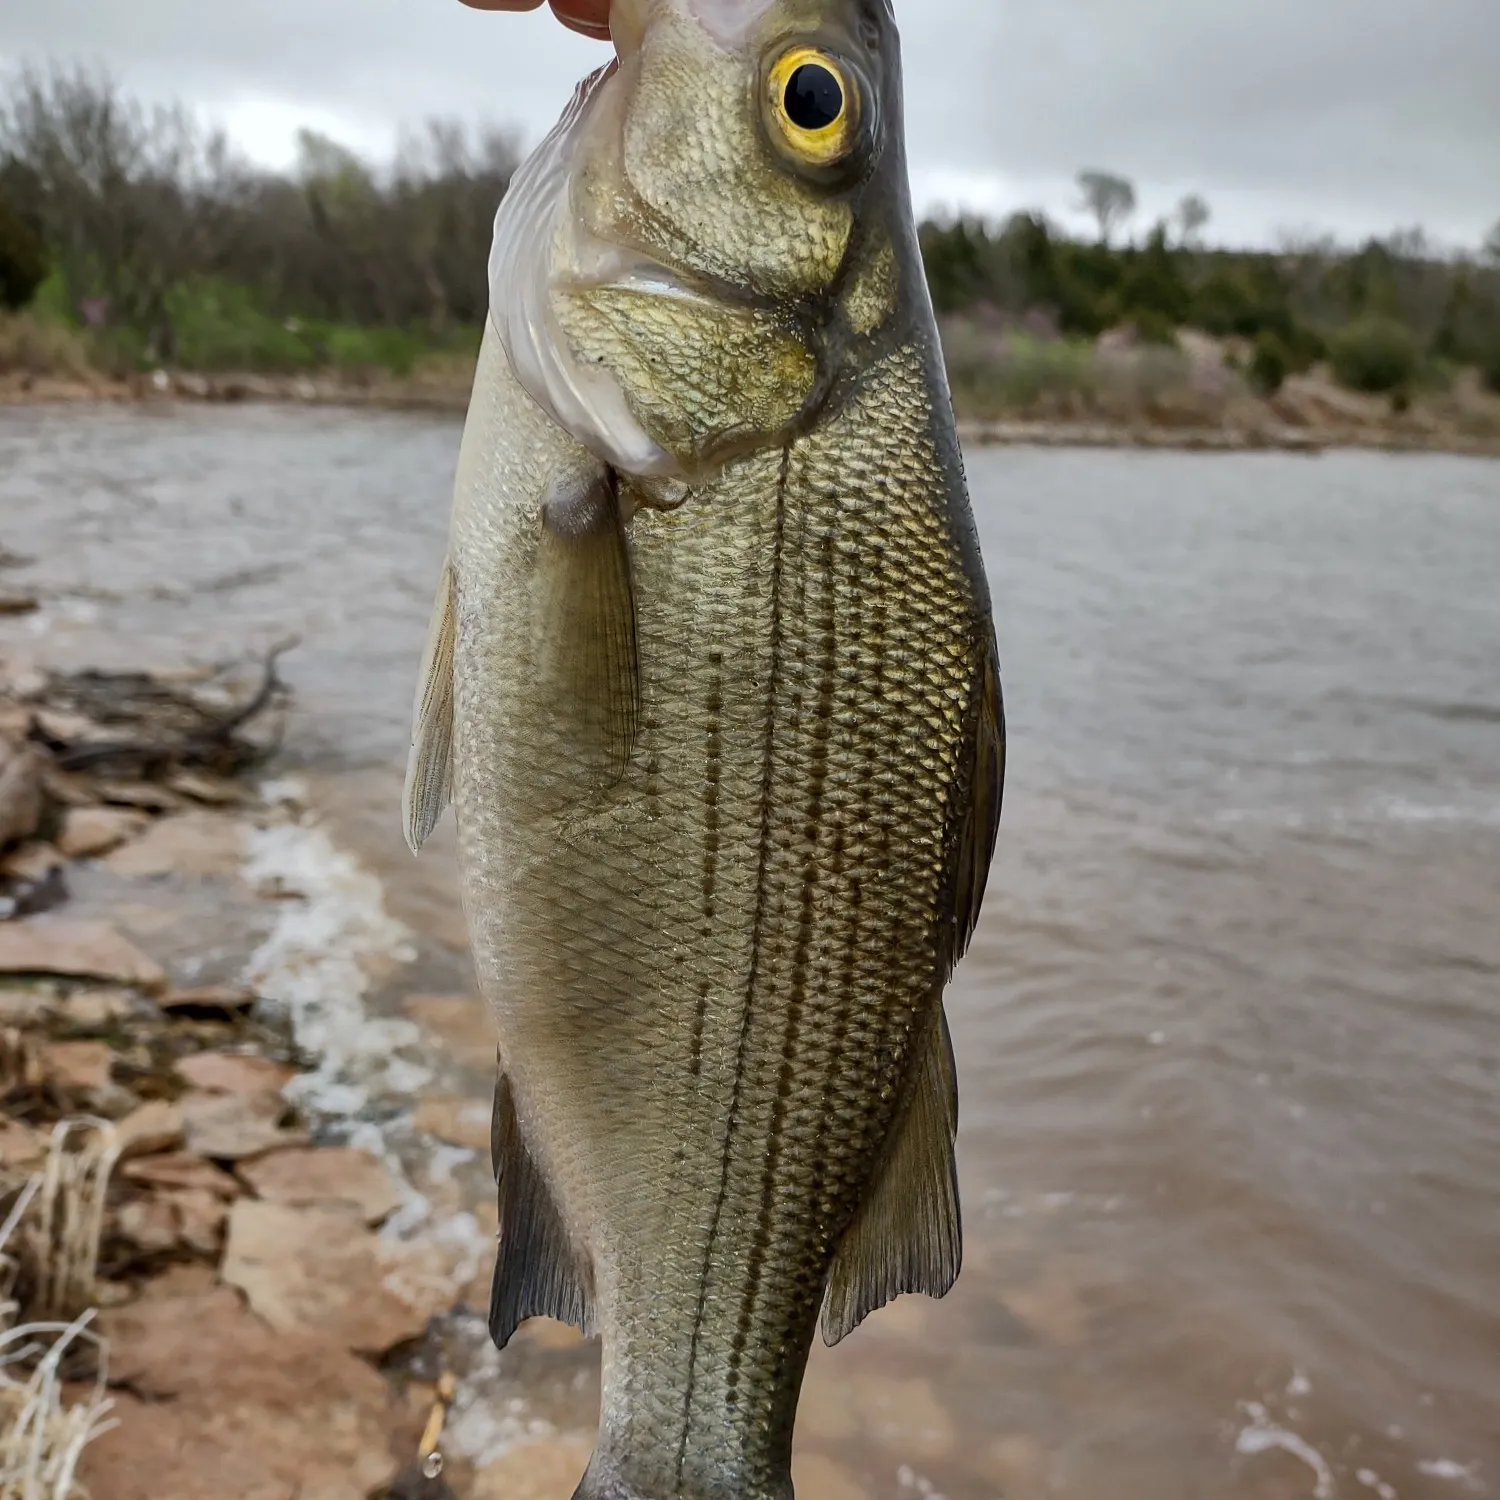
[1309,414]
[242,1258]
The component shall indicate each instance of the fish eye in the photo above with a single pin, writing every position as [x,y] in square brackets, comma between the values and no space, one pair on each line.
[814,105]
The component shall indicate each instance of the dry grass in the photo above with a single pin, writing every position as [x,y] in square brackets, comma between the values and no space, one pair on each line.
[31,345]
[1011,374]
[55,1224]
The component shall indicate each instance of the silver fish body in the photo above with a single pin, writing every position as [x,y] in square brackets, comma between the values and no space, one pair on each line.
[712,684]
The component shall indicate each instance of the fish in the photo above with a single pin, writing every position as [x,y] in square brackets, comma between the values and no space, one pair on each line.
[712,687]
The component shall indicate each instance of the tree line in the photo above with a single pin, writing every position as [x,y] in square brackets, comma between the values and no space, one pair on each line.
[1378,312]
[146,227]
[131,218]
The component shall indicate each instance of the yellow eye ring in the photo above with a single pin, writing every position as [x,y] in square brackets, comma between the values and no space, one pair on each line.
[814,102]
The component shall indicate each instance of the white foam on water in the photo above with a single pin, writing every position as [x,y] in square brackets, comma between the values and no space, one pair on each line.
[1262,1435]
[1451,1469]
[1372,1481]
[480,1428]
[909,1479]
[331,938]
[1299,1384]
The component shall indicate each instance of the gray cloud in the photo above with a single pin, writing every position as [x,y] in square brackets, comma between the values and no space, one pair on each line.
[1350,115]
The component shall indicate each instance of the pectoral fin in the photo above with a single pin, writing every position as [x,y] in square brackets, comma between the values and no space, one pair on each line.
[906,1236]
[586,637]
[429,769]
[537,1273]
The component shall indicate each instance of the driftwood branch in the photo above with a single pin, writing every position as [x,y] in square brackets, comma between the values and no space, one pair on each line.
[210,745]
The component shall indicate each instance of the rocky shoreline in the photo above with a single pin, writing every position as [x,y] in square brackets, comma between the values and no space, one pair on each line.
[1308,418]
[226,1285]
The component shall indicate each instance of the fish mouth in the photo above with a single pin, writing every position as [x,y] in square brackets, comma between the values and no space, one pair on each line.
[536,229]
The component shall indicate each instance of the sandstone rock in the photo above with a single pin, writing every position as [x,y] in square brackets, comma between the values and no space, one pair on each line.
[155,1126]
[21,1147]
[180,1170]
[193,843]
[89,831]
[143,794]
[199,1218]
[336,1176]
[87,950]
[234,1127]
[234,1073]
[148,1223]
[318,1270]
[463,1122]
[27,1007]
[215,791]
[223,1408]
[78,1067]
[96,1009]
[20,792]
[210,999]
[30,862]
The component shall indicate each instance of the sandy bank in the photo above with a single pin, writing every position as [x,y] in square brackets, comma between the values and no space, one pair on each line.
[1308,417]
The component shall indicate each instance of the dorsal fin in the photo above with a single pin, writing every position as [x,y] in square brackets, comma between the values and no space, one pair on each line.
[537,1272]
[906,1235]
[429,768]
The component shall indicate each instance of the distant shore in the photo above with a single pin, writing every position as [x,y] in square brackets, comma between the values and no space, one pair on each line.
[1356,424]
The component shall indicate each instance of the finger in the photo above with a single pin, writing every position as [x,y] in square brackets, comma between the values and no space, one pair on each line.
[591,17]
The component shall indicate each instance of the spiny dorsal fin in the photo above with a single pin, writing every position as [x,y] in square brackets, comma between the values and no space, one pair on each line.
[586,642]
[429,768]
[906,1236]
[537,1274]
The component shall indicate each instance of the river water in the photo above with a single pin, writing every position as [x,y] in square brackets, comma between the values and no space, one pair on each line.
[1229,1033]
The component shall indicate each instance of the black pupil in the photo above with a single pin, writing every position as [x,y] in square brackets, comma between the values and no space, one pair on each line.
[814,97]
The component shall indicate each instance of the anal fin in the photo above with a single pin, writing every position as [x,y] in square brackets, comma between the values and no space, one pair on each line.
[906,1235]
[429,769]
[537,1272]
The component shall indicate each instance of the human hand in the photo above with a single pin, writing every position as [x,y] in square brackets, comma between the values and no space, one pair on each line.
[591,17]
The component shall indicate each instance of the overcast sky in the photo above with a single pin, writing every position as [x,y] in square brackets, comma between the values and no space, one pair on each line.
[1351,116]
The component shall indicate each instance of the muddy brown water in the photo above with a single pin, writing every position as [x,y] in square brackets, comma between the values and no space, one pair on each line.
[1229,1034]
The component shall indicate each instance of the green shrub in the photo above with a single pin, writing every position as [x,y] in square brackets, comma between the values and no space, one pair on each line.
[1270,364]
[220,326]
[1153,327]
[995,377]
[1489,370]
[33,344]
[1374,354]
[23,260]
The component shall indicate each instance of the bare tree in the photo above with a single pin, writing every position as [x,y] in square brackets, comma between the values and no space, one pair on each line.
[1193,214]
[1410,243]
[1490,250]
[127,197]
[1110,199]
